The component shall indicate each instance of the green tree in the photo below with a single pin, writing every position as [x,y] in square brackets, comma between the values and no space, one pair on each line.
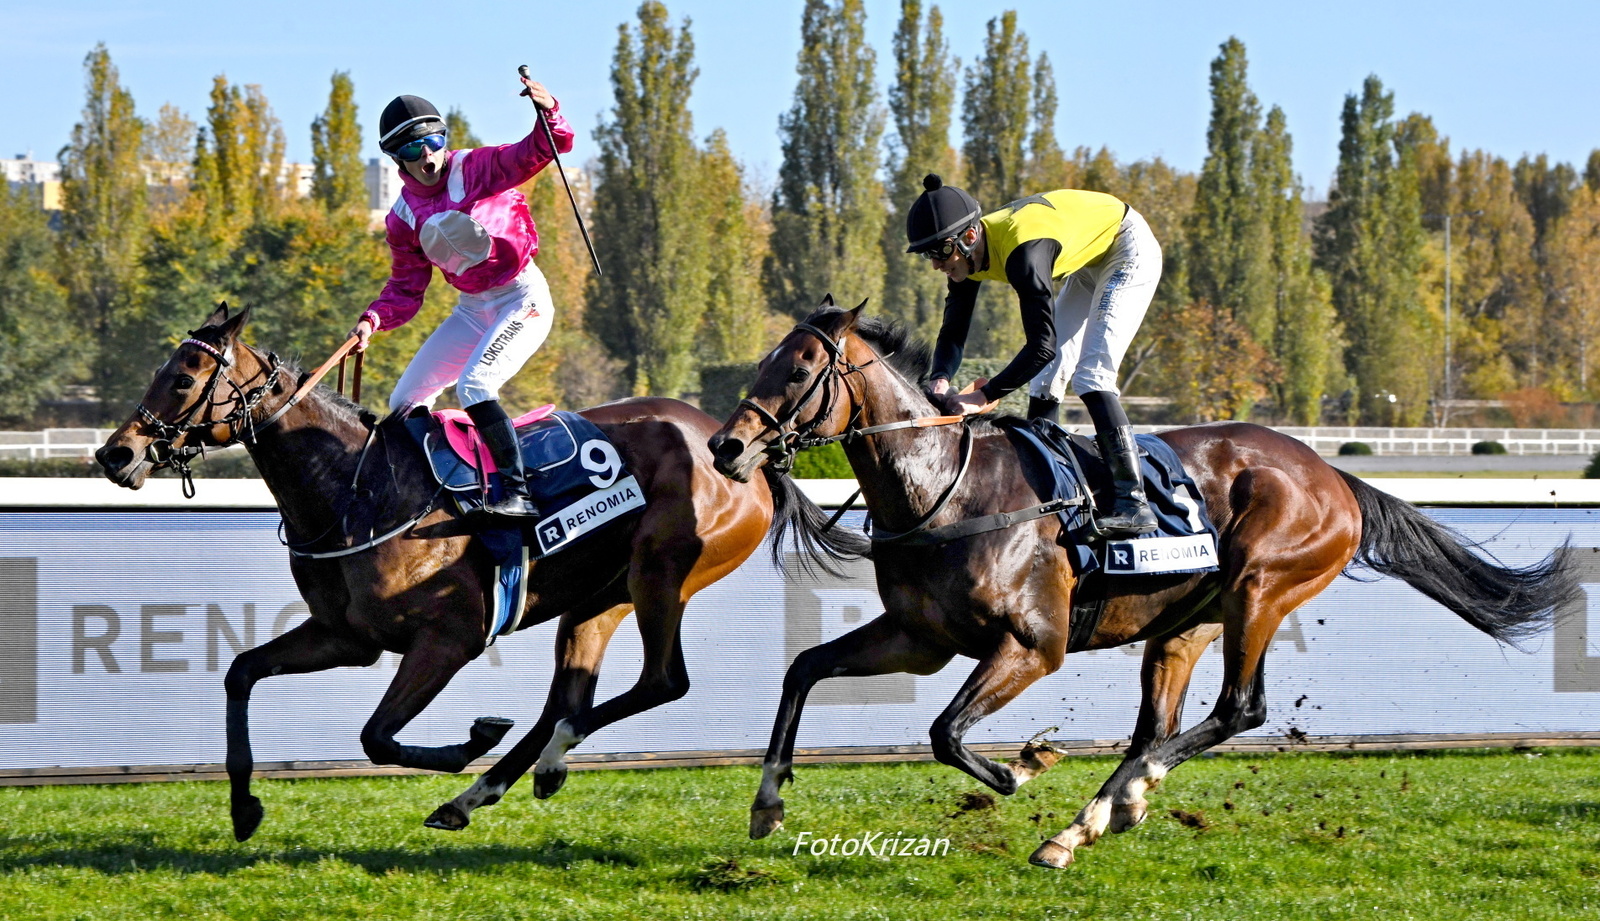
[39,349]
[736,309]
[1370,243]
[1047,167]
[1305,339]
[649,221]
[241,156]
[338,176]
[920,101]
[104,213]
[1573,259]
[827,212]
[1228,233]
[995,110]
[461,135]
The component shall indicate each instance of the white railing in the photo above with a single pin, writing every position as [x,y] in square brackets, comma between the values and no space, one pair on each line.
[1324,439]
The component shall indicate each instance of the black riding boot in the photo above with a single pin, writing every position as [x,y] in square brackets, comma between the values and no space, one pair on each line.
[1044,409]
[1130,513]
[500,437]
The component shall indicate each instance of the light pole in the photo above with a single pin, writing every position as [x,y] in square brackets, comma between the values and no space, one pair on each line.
[1444,401]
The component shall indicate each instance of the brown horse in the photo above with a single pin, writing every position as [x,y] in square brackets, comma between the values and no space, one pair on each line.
[1288,525]
[339,479]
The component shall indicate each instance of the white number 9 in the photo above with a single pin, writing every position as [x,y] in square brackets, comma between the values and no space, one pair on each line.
[602,458]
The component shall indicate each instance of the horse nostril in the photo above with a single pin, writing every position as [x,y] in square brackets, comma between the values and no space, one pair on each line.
[114,458]
[726,449]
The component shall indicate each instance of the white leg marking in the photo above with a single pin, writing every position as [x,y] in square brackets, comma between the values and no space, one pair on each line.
[480,793]
[554,756]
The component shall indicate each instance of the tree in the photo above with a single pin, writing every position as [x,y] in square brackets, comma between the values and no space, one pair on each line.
[39,349]
[1228,233]
[241,157]
[338,177]
[1573,258]
[1370,243]
[920,102]
[1206,347]
[104,212]
[997,103]
[827,211]
[461,136]
[1047,166]
[1305,337]
[736,311]
[649,221]
[169,156]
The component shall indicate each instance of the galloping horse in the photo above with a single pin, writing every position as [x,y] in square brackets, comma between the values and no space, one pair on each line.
[335,474]
[1288,525]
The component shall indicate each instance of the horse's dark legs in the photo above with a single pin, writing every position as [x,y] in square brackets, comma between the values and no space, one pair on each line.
[877,647]
[309,647]
[580,644]
[430,663]
[998,679]
[1164,678]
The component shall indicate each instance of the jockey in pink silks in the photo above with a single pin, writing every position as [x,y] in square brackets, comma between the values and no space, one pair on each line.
[460,210]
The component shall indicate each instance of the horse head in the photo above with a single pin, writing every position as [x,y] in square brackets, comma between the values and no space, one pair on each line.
[204,396]
[799,398]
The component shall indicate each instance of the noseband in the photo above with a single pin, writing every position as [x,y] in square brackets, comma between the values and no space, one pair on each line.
[791,437]
[164,450]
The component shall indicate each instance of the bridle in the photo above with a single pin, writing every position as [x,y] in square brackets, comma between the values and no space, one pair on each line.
[165,451]
[791,438]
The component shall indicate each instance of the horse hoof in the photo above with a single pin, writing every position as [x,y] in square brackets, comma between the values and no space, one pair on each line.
[546,783]
[1052,855]
[448,817]
[491,729]
[765,821]
[1127,815]
[247,818]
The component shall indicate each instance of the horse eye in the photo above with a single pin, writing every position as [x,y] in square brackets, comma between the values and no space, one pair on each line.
[798,375]
[182,382]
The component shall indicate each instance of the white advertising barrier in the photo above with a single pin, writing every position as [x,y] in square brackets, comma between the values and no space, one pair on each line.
[117,626]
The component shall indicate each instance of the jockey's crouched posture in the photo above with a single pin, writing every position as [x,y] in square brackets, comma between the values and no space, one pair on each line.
[460,210]
[1111,263]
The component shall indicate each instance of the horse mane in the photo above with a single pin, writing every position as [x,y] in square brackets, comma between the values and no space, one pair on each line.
[892,340]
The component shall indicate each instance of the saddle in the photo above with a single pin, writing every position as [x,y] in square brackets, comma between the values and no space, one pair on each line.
[578,479]
[1068,466]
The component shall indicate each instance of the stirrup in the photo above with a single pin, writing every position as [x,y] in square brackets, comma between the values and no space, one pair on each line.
[512,505]
[1127,522]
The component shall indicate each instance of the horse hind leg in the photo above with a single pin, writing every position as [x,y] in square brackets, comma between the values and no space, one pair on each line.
[1168,665]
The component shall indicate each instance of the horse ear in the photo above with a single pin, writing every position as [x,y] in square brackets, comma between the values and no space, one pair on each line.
[234,326]
[827,300]
[218,316]
[855,315]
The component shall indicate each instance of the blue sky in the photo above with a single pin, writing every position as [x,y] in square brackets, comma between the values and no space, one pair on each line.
[1507,78]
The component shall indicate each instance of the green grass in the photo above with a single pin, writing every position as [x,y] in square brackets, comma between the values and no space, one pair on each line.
[1433,836]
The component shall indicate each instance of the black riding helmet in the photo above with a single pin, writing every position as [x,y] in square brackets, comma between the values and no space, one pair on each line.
[405,119]
[941,212]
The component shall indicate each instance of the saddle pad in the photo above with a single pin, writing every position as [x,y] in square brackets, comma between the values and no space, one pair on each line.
[1184,541]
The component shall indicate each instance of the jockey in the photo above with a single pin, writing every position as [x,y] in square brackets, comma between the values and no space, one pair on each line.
[460,210]
[1111,263]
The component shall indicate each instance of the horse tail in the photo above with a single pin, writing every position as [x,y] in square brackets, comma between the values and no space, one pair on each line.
[1506,602]
[815,544]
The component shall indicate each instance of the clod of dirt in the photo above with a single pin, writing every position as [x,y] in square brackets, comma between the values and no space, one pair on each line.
[1296,734]
[726,874]
[974,802]
[1194,820]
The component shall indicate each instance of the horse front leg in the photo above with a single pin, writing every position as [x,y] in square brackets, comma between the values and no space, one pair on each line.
[433,659]
[877,647]
[580,645]
[309,647]
[997,680]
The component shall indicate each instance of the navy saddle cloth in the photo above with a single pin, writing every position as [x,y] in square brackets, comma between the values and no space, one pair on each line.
[1065,466]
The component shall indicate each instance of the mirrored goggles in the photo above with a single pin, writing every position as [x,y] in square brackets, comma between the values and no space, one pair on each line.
[415,150]
[940,251]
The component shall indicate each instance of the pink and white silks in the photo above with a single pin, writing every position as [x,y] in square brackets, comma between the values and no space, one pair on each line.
[475,226]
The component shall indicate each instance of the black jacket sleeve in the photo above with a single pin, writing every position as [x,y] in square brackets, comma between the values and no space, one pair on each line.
[1028,268]
[959,302]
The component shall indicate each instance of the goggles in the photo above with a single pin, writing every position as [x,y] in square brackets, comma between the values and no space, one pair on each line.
[414,150]
[940,251]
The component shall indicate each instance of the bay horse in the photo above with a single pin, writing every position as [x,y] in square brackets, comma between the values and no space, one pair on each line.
[338,475]
[1288,525]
